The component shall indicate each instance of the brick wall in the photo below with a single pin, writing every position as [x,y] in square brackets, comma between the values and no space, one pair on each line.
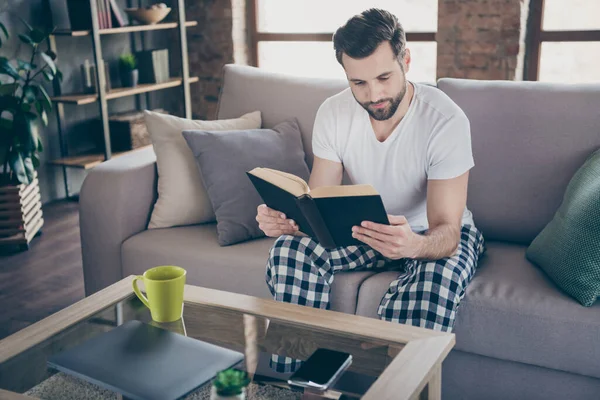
[481,39]
[477,39]
[210,46]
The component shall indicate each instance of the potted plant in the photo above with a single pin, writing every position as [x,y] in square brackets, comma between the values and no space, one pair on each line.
[24,102]
[128,70]
[230,384]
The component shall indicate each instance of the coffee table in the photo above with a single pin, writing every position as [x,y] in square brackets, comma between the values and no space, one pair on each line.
[390,361]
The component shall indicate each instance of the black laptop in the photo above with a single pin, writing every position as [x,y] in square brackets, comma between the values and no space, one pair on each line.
[141,361]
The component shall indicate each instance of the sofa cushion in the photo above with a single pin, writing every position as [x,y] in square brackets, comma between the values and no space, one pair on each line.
[568,249]
[182,199]
[239,268]
[223,159]
[512,311]
[277,96]
[528,140]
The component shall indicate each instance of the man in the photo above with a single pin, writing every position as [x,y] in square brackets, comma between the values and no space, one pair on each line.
[413,144]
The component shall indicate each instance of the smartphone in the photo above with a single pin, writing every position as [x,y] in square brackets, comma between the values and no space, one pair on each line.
[321,369]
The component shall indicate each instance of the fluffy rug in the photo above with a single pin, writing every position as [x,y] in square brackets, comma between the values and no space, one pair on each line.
[66,387]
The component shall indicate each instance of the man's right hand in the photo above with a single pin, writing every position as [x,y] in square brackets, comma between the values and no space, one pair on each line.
[274,223]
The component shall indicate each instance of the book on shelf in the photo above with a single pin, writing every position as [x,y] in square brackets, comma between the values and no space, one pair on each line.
[80,15]
[326,213]
[117,17]
[153,65]
[165,64]
[109,14]
[101,14]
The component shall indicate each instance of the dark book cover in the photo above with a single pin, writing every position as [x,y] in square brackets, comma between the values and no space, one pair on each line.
[151,66]
[329,220]
[340,214]
[280,200]
[118,20]
[80,15]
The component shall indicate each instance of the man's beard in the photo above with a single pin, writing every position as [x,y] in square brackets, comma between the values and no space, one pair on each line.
[382,114]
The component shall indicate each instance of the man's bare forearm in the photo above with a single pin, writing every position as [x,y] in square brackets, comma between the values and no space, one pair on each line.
[439,242]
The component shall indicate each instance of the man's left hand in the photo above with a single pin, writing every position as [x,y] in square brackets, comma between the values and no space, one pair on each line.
[393,241]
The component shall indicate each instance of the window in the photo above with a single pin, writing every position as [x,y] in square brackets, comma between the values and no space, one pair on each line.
[294,36]
[564,41]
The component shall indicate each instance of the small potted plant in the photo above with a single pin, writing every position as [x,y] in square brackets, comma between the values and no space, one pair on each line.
[128,70]
[230,384]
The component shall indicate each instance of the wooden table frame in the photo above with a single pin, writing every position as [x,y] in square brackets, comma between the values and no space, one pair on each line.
[414,355]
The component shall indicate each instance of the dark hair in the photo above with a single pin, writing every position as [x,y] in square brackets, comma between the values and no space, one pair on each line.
[361,34]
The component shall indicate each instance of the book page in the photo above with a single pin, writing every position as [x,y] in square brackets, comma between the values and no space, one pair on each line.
[288,182]
[343,191]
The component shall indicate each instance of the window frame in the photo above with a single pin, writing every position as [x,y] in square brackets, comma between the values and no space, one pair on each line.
[536,36]
[255,36]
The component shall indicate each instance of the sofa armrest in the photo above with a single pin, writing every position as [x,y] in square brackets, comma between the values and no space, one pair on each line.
[115,203]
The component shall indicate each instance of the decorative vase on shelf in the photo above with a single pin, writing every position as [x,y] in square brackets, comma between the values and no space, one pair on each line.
[128,70]
[129,78]
[230,384]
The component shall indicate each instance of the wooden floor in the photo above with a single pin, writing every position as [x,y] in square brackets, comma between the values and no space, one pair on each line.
[46,278]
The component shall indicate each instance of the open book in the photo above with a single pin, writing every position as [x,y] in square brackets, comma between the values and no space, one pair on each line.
[326,213]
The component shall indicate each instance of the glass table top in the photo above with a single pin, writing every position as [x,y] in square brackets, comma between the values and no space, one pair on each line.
[259,338]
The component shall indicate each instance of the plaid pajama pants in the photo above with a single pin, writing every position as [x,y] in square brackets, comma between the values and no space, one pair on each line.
[425,293]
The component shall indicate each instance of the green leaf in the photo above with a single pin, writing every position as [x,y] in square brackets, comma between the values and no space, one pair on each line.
[44,117]
[38,36]
[4,30]
[26,24]
[24,65]
[40,146]
[7,69]
[29,168]
[6,124]
[27,131]
[8,89]
[35,161]
[17,166]
[59,75]
[51,54]
[9,103]
[41,112]
[30,94]
[26,39]
[49,61]
[49,77]
[46,102]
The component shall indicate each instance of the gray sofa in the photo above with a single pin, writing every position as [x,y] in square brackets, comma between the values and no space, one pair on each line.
[518,336]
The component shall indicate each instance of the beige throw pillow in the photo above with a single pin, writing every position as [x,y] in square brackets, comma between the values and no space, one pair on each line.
[182,198]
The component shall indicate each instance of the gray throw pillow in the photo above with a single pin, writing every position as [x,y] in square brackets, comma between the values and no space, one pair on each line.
[224,157]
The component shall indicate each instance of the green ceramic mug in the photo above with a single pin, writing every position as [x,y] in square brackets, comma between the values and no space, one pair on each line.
[164,288]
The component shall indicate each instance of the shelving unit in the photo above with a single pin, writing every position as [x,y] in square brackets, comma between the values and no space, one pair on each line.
[116,93]
[88,161]
[125,29]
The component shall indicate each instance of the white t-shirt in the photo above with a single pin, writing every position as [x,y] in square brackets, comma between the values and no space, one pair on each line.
[432,141]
